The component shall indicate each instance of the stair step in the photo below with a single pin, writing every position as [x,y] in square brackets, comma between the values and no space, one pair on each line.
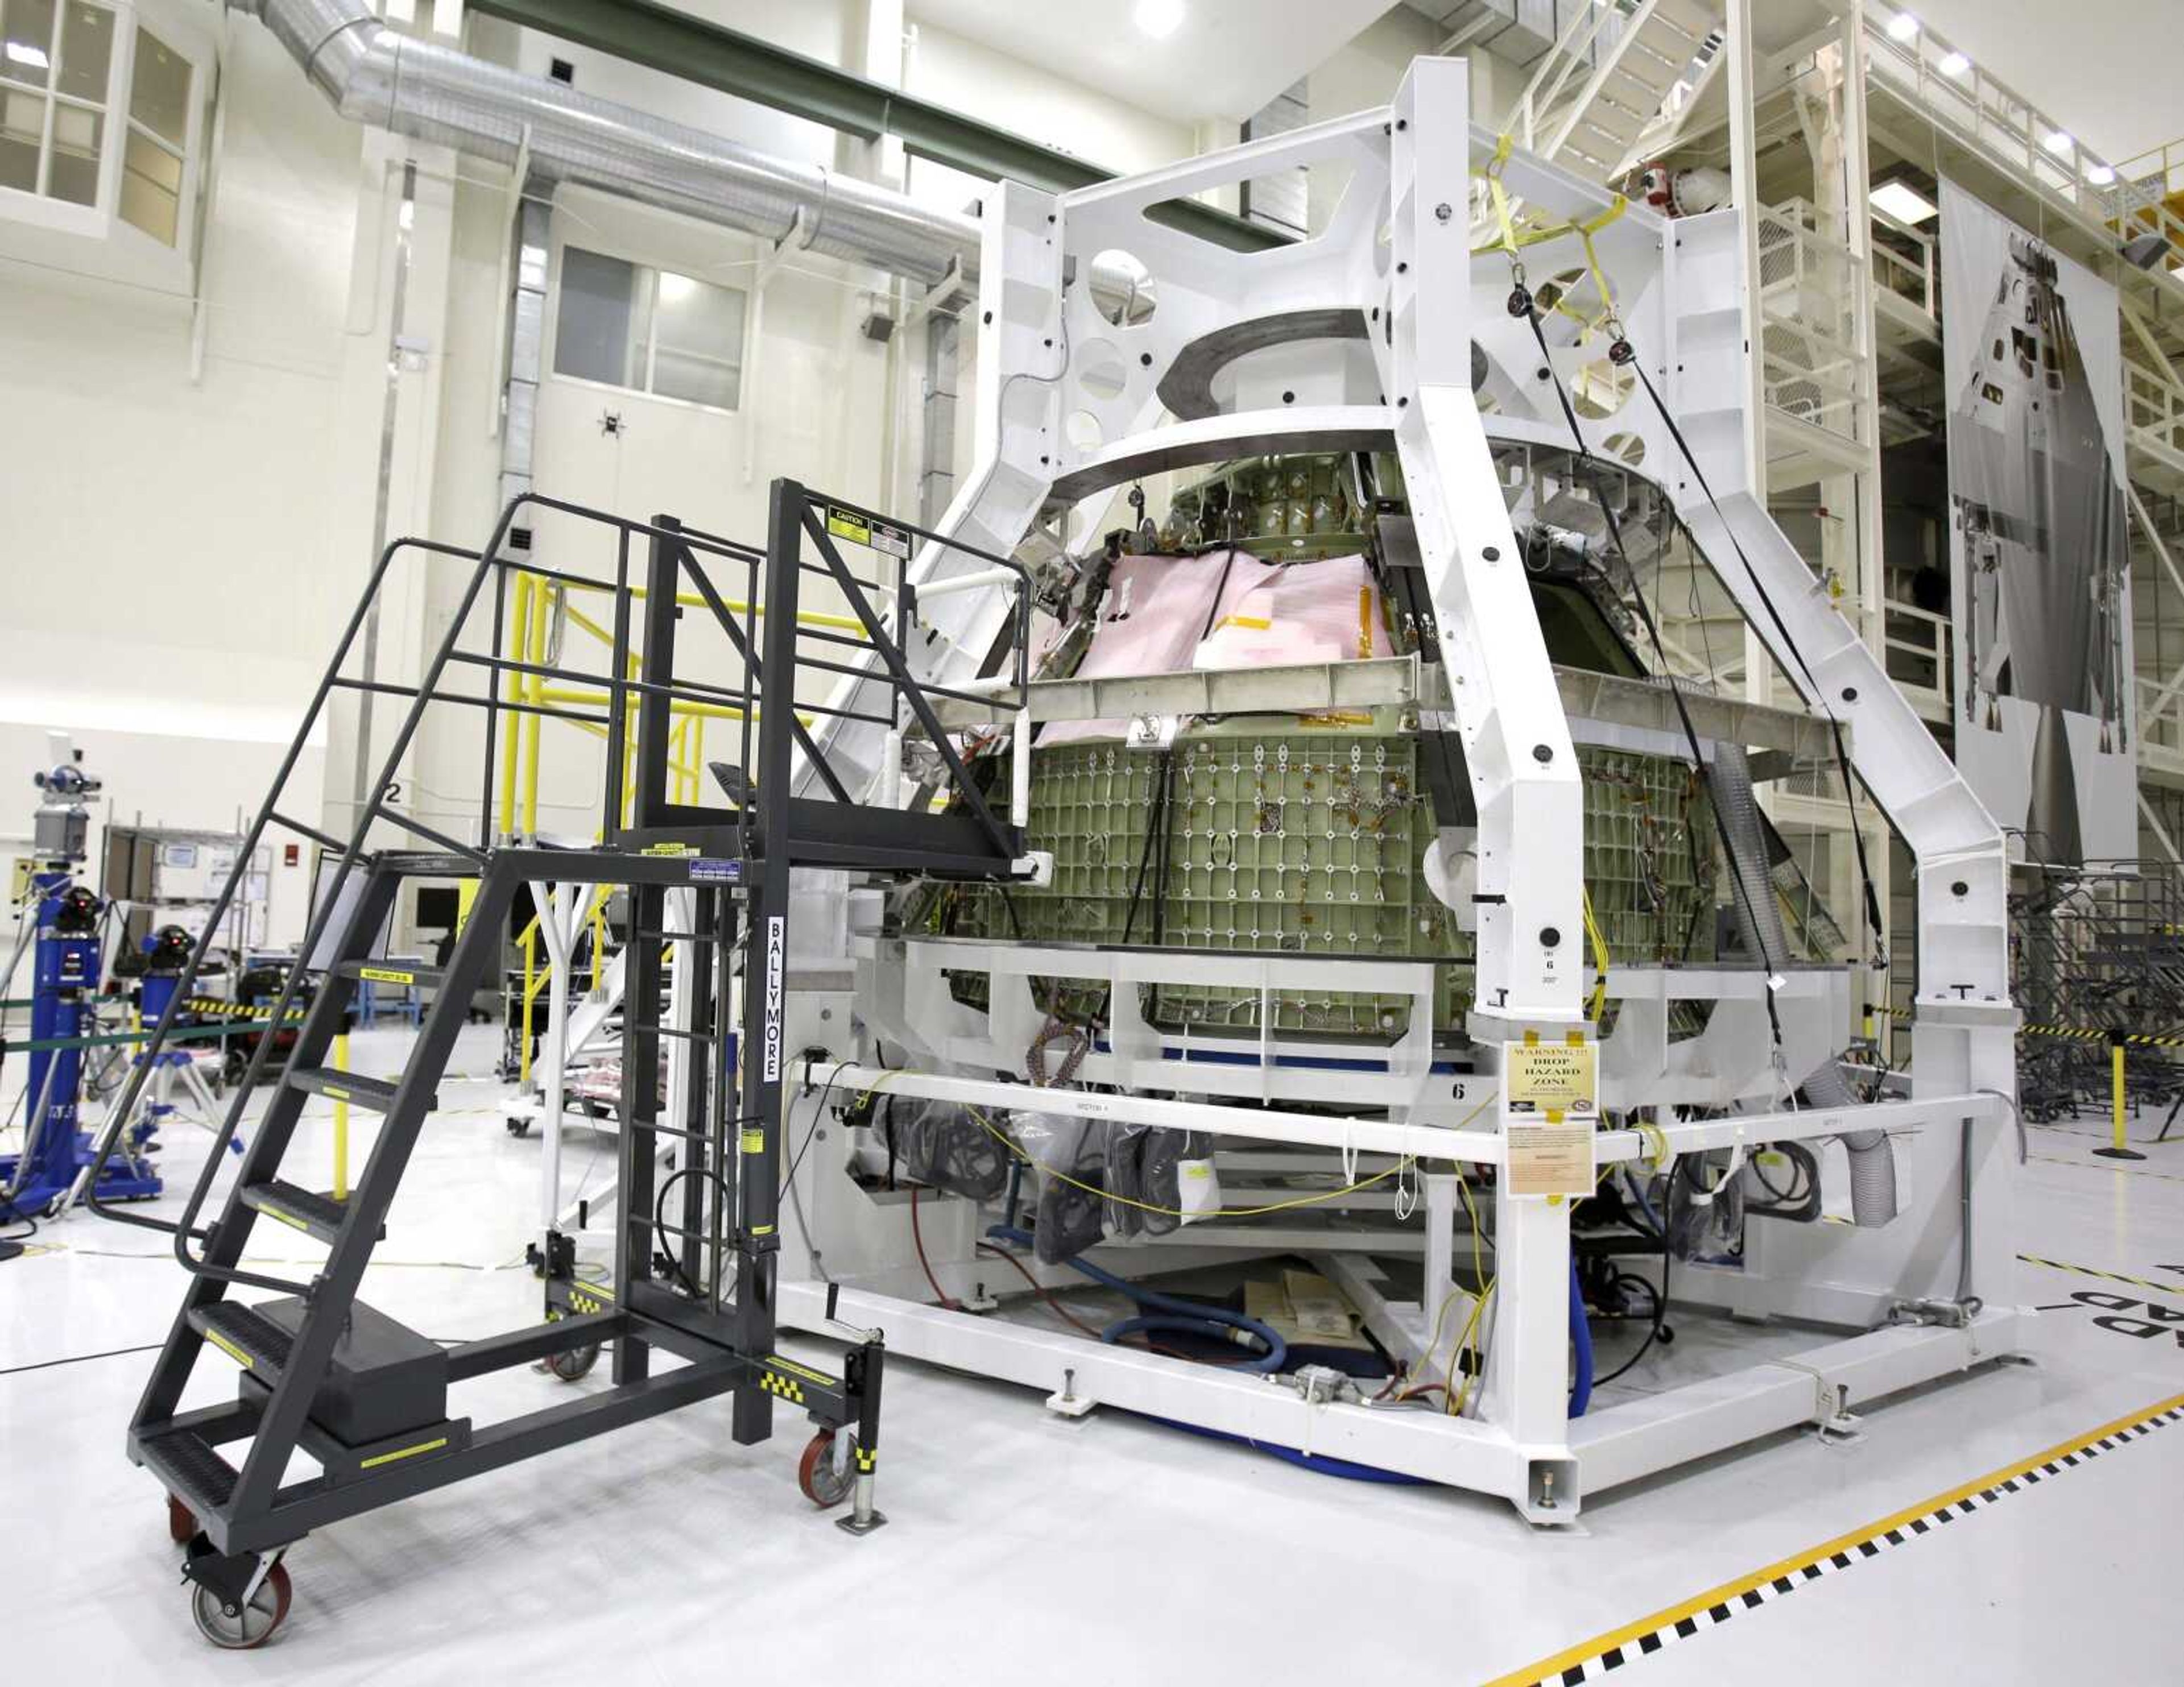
[316,1215]
[191,1468]
[246,1335]
[375,1093]
[402,974]
[429,864]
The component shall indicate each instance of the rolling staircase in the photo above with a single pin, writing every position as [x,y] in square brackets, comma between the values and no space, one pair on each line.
[370,1400]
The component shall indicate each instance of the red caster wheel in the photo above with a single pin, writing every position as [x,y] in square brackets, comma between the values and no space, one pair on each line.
[826,1480]
[575,1362]
[250,1626]
[181,1522]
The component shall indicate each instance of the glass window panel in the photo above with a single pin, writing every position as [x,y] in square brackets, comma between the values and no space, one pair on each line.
[26,41]
[603,319]
[22,118]
[697,316]
[86,51]
[159,88]
[701,379]
[74,173]
[151,188]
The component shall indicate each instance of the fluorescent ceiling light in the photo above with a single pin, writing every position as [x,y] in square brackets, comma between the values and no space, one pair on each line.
[1159,18]
[1904,202]
[2100,176]
[1955,64]
[1902,26]
[24,54]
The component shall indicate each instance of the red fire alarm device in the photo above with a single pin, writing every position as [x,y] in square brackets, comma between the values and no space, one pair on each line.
[291,854]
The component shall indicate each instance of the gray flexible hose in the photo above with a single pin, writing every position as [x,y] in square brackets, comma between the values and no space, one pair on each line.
[1759,924]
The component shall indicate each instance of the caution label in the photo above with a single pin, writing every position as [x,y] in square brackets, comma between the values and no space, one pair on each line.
[713,870]
[670,848]
[860,529]
[1546,1078]
[1551,1100]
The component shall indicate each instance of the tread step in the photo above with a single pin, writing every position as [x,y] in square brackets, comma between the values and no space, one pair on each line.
[191,1468]
[428,864]
[246,1335]
[335,1085]
[390,972]
[316,1215]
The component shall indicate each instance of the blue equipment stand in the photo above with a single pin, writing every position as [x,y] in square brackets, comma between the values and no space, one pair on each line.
[64,969]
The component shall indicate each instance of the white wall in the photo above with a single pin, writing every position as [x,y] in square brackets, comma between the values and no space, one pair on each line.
[961,74]
[171,582]
[1365,73]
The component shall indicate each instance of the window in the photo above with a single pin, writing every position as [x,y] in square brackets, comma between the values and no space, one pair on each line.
[158,133]
[55,61]
[98,111]
[652,331]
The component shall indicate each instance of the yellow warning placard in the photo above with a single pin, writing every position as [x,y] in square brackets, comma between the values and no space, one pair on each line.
[1544,1078]
[1551,1101]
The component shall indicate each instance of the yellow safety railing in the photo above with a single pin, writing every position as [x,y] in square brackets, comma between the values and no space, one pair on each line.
[537,602]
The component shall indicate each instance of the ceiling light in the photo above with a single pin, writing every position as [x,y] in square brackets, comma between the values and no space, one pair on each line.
[2100,176]
[2059,143]
[1903,202]
[1159,18]
[1902,26]
[1955,64]
[24,54]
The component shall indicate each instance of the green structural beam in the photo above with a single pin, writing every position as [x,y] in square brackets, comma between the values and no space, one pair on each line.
[661,38]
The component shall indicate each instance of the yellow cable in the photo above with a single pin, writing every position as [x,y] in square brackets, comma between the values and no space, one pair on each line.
[1599,959]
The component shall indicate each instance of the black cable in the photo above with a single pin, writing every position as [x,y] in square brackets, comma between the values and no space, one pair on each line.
[81,1358]
[1660,1318]
[1629,357]
[1521,303]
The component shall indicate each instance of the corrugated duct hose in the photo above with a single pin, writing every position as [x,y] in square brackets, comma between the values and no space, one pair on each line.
[1872,1163]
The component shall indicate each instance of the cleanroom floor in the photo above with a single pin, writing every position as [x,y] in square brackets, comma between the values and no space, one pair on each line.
[1108,1549]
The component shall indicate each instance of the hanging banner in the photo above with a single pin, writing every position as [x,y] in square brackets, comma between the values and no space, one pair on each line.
[2039,563]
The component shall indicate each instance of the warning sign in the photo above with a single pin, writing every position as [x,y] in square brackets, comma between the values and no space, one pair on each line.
[1547,1078]
[861,529]
[1551,1100]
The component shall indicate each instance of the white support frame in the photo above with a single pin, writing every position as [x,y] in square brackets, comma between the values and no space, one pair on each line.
[1396,259]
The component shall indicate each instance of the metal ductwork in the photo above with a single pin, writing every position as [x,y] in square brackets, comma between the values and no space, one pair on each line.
[428,92]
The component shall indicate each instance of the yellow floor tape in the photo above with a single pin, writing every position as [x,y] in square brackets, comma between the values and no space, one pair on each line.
[1590,1659]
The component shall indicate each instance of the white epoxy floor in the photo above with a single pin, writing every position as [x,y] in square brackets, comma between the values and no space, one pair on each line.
[1106,1550]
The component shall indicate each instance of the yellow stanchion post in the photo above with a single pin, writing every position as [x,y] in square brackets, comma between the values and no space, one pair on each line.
[340,1123]
[2120,1146]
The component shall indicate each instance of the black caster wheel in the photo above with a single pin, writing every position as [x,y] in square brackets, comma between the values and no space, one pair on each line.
[575,1362]
[249,1626]
[826,1482]
[519,1127]
[181,1522]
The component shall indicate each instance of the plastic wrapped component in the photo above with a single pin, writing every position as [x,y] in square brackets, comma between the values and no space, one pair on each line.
[939,1144]
[1071,1205]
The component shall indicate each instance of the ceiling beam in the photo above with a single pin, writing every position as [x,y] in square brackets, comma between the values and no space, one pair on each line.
[676,43]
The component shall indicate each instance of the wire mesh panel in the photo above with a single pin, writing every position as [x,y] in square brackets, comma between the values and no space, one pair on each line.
[1313,843]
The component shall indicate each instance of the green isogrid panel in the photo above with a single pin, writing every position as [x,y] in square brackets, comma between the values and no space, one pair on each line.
[1313,843]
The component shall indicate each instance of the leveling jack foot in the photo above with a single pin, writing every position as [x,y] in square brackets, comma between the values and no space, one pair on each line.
[2119,1154]
[862,1518]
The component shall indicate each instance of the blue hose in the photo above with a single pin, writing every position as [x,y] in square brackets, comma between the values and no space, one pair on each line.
[1581,1338]
[1193,1317]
